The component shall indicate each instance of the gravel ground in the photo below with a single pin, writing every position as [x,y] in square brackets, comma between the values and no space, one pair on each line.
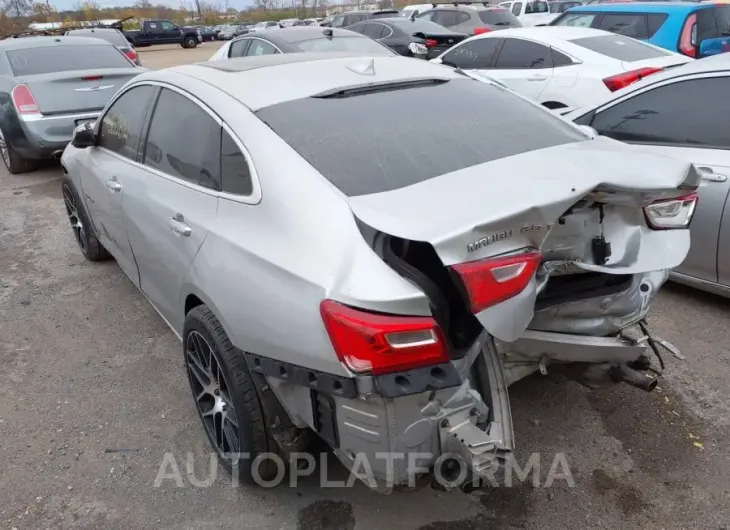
[93,396]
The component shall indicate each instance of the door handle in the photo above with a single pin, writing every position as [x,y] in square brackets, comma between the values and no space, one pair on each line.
[708,174]
[113,184]
[537,78]
[179,226]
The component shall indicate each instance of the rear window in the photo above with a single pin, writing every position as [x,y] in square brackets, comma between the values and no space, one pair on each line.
[620,48]
[385,14]
[576,20]
[498,17]
[113,37]
[343,44]
[560,7]
[46,60]
[388,141]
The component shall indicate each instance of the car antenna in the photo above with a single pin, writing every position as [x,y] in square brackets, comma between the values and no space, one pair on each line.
[327,32]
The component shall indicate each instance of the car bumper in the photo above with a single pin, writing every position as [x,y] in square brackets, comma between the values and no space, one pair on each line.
[42,137]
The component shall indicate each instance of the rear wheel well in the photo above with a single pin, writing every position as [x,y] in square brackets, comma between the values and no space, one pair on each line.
[192,302]
[554,105]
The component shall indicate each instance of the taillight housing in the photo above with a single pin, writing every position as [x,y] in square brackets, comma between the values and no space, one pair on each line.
[24,101]
[488,282]
[378,343]
[479,31]
[131,55]
[671,214]
[688,37]
[430,43]
[618,81]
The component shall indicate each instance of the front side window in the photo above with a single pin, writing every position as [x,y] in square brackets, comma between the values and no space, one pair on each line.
[654,117]
[523,54]
[446,17]
[360,156]
[168,26]
[169,150]
[121,126]
[261,47]
[338,21]
[427,15]
[476,54]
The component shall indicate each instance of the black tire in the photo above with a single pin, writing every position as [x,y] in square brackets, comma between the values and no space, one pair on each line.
[14,163]
[85,237]
[253,437]
[190,42]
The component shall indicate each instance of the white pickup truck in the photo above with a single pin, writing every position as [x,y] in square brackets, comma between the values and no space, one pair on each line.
[530,13]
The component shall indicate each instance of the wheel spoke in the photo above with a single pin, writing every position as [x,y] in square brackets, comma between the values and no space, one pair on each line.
[230,433]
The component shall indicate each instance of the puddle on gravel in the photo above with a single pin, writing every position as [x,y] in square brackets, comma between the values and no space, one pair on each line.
[628,497]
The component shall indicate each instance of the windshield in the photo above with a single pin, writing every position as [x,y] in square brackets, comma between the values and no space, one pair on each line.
[559,7]
[381,141]
[48,59]
[537,7]
[344,44]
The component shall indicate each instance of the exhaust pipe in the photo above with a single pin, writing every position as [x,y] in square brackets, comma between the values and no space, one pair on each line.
[56,155]
[624,374]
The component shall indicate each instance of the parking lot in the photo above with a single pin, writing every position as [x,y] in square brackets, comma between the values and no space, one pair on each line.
[94,400]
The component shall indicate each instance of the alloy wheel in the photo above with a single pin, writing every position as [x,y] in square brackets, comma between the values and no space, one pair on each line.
[73,216]
[4,150]
[212,396]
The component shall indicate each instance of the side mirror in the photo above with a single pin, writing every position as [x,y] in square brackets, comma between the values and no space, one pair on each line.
[590,131]
[83,136]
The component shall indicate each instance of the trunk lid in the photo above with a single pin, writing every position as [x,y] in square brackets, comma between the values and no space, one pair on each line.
[77,90]
[545,199]
[443,41]
[665,62]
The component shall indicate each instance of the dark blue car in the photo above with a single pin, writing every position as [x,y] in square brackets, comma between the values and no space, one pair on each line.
[693,29]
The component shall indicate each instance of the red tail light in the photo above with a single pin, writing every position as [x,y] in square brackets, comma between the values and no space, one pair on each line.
[688,37]
[670,214]
[378,343]
[430,43]
[618,81]
[24,101]
[131,55]
[92,78]
[493,280]
[479,31]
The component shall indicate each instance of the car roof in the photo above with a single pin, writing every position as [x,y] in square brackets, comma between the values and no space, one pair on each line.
[642,7]
[547,33]
[42,42]
[301,75]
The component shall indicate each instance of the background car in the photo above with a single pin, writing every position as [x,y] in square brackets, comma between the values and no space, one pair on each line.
[50,85]
[300,39]
[529,12]
[349,18]
[559,66]
[681,113]
[232,31]
[693,29]
[410,38]
[472,20]
[112,36]
[207,33]
[414,10]
[264,26]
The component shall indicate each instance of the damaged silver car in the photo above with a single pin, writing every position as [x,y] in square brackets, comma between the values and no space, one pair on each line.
[375,252]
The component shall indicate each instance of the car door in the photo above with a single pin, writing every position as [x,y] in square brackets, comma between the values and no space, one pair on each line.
[106,166]
[171,198]
[684,119]
[524,66]
[170,35]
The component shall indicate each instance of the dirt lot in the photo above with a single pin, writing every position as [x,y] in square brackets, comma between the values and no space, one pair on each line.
[93,396]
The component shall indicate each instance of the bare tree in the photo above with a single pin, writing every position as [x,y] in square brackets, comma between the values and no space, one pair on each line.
[16,8]
[266,5]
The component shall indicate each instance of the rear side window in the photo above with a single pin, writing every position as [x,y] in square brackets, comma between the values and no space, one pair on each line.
[473,54]
[238,48]
[343,44]
[629,24]
[655,21]
[576,20]
[46,60]
[620,48]
[523,54]
[360,156]
[234,168]
[499,17]
[167,149]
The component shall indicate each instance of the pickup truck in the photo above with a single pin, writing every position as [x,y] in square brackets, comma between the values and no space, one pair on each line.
[163,32]
[530,12]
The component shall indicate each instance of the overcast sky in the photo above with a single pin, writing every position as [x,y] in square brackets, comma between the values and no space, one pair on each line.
[70,4]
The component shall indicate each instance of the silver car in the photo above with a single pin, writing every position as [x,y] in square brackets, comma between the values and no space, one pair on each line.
[338,260]
[679,113]
[51,85]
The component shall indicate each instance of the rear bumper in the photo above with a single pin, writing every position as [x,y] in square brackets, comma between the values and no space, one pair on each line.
[41,137]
